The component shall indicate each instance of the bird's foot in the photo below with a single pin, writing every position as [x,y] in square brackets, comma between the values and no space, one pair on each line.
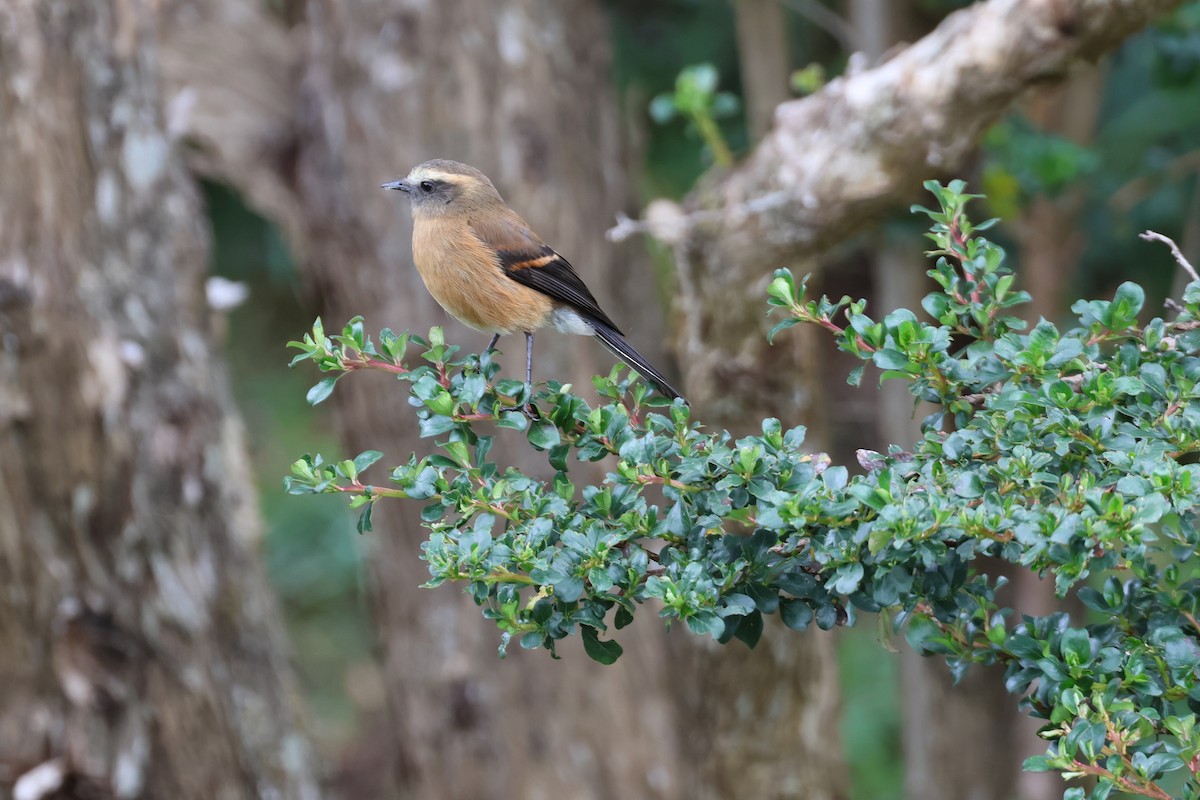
[530,409]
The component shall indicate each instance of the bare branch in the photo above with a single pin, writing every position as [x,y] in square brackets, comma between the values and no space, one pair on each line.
[863,143]
[841,158]
[827,20]
[1151,236]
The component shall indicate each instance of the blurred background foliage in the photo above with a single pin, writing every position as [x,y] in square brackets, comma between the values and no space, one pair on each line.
[1134,167]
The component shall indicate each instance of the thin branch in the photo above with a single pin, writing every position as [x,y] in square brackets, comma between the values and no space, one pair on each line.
[827,20]
[1151,236]
[669,223]
[1147,789]
[978,399]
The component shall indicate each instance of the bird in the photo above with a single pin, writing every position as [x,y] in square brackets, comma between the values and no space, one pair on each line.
[483,263]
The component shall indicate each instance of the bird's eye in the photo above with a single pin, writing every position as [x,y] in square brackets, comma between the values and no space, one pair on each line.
[426,186]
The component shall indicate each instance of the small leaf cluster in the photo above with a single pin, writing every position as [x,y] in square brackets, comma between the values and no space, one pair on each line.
[1070,453]
[697,100]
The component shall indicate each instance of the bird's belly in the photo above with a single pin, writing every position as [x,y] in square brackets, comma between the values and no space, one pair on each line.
[485,299]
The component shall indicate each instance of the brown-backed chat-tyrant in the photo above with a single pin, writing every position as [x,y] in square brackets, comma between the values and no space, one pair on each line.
[484,265]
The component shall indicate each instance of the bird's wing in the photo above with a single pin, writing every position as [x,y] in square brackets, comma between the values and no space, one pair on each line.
[528,260]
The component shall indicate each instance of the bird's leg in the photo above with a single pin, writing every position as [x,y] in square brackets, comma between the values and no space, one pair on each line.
[492,344]
[530,409]
[529,360]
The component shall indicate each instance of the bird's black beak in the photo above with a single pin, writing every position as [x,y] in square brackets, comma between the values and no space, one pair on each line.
[402,185]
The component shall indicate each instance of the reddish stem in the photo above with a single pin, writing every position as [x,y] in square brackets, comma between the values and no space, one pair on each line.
[373,363]
[1150,789]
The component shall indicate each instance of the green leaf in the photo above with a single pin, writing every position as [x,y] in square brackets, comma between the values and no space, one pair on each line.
[846,578]
[1154,377]
[1180,651]
[706,622]
[936,304]
[543,435]
[458,452]
[569,588]
[889,358]
[435,426]
[796,614]
[364,518]
[702,77]
[1037,764]
[623,617]
[320,391]
[1076,647]
[783,287]
[750,631]
[604,652]
[366,459]
[662,108]
[779,327]
[725,104]
[968,485]
[1129,298]
[924,635]
[737,605]
[514,420]
[1043,338]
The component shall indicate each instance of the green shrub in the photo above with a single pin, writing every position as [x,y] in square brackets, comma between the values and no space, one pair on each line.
[1069,453]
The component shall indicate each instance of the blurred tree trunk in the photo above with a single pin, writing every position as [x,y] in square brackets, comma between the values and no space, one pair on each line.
[143,651]
[762,723]
[877,25]
[954,737]
[521,90]
[957,739]
[1051,242]
[763,59]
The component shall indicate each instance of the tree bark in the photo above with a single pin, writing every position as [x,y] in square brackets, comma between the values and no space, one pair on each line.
[954,736]
[143,650]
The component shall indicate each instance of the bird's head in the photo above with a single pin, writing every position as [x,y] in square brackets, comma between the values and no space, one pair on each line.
[440,186]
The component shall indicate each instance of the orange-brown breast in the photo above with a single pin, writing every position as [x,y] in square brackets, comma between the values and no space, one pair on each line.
[465,278]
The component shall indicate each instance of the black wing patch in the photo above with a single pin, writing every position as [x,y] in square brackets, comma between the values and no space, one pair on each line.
[551,274]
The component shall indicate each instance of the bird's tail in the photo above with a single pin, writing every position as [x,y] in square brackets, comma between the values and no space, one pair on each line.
[622,350]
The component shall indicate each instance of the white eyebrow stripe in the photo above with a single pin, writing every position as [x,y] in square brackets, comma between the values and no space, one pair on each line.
[444,177]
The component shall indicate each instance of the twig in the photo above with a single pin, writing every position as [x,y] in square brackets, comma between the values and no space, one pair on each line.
[1147,789]
[1151,236]
[1074,381]
[626,228]
[1192,619]
[826,20]
[668,222]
